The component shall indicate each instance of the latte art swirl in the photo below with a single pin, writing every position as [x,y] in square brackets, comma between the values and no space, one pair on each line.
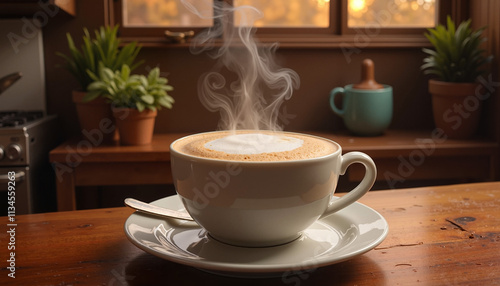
[254,143]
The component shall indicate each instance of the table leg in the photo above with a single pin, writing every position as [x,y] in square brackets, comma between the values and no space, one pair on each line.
[66,196]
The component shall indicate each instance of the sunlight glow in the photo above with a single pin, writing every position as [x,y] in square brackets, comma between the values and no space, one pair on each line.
[357,5]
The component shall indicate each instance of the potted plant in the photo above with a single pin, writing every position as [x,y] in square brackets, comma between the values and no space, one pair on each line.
[135,100]
[456,61]
[94,113]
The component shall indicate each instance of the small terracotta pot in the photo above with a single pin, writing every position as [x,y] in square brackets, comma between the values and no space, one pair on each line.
[136,128]
[456,108]
[96,119]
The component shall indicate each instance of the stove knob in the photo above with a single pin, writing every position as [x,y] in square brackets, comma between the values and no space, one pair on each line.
[13,152]
[1,153]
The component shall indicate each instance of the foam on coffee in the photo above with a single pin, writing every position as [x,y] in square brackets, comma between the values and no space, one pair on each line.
[254,143]
[254,146]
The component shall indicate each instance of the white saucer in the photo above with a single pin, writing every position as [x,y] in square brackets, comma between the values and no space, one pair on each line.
[338,237]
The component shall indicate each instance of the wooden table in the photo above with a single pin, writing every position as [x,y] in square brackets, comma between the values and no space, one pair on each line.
[445,235]
[399,155]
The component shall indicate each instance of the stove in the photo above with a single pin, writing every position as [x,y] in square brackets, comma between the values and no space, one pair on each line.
[17,118]
[26,138]
[27,133]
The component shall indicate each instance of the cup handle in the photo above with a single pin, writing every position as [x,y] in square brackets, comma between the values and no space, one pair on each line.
[361,189]
[333,94]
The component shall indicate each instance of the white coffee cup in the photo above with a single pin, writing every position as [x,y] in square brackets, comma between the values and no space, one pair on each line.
[264,203]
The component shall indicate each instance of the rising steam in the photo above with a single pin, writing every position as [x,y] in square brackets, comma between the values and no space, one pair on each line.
[253,99]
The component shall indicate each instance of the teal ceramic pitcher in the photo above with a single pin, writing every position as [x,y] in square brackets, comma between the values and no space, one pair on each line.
[366,107]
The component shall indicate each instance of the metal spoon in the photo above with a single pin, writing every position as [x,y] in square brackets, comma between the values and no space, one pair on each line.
[156,210]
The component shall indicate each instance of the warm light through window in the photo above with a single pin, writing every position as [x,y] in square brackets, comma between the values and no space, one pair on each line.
[392,13]
[165,13]
[285,13]
[357,5]
[289,13]
[323,3]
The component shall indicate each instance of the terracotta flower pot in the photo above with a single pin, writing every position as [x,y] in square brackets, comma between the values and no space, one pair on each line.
[96,119]
[136,128]
[456,108]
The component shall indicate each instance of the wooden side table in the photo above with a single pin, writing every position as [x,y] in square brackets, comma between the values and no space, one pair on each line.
[399,156]
[79,162]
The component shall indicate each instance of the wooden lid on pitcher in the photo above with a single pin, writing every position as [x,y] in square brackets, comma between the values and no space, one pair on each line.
[368,76]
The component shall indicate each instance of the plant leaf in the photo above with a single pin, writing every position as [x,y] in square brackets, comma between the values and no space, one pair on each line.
[166,101]
[140,106]
[456,56]
[89,96]
[148,98]
[125,73]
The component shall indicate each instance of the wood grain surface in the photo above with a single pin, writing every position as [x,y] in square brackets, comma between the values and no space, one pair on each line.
[447,235]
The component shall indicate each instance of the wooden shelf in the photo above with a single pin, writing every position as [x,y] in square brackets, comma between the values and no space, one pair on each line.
[421,155]
[392,144]
[399,156]
[398,142]
[77,149]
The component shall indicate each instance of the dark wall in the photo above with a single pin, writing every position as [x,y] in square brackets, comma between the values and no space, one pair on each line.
[60,83]
[320,70]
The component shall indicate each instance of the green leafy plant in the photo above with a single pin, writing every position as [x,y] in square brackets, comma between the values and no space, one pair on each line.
[103,48]
[457,56]
[131,91]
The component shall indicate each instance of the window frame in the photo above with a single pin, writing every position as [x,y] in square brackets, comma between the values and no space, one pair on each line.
[146,34]
[337,35]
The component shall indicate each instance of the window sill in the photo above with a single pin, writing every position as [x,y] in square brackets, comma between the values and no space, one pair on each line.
[310,41]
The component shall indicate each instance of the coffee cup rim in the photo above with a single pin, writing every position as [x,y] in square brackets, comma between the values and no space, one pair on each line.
[337,152]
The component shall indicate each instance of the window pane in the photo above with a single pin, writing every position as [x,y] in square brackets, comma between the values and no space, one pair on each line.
[289,13]
[392,13]
[165,13]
